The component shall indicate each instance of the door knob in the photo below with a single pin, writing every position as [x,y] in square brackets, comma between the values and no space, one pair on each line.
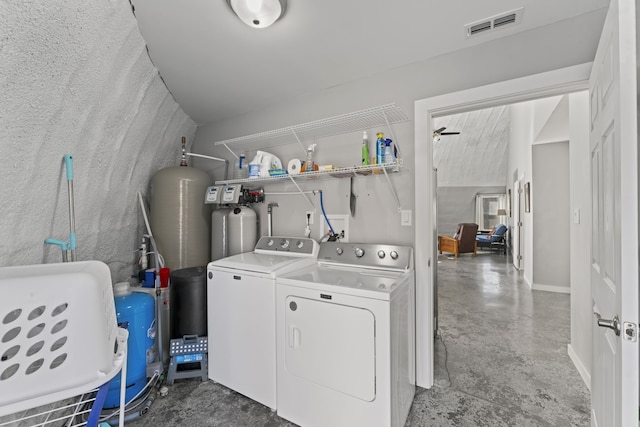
[613,324]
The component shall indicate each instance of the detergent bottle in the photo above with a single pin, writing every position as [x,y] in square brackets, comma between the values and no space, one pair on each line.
[365,148]
[309,165]
[254,166]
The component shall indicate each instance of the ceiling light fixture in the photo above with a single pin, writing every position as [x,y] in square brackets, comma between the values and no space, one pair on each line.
[258,13]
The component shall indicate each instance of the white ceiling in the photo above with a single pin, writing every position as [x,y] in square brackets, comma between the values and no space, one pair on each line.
[217,67]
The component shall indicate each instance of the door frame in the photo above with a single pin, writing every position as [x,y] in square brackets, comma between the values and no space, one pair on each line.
[551,83]
[517,235]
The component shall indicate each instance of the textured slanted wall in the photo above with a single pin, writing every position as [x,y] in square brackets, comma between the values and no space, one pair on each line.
[75,78]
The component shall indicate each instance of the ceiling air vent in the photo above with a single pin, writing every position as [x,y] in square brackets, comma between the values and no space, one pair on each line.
[478,28]
[494,22]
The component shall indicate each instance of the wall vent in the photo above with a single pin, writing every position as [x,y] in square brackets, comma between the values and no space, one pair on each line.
[494,22]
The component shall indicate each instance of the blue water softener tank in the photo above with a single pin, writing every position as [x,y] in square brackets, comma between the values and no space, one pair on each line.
[135,312]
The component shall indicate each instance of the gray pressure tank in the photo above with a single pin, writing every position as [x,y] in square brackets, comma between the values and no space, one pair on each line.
[180,220]
[242,230]
[219,233]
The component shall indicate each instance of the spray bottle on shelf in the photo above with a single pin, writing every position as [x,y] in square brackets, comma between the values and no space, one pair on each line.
[388,152]
[365,148]
[380,146]
[309,165]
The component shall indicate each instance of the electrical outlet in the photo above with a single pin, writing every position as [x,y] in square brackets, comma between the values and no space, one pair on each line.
[310,215]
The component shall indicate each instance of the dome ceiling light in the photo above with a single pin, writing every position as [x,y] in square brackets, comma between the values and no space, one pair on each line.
[258,13]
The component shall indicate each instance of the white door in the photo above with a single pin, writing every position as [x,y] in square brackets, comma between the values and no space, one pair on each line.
[515,229]
[614,237]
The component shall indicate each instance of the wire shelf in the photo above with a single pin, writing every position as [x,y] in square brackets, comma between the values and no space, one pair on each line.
[383,115]
[345,172]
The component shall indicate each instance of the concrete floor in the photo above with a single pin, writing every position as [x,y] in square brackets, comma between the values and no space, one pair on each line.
[500,360]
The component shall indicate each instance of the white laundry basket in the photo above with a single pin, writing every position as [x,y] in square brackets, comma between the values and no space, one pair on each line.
[59,336]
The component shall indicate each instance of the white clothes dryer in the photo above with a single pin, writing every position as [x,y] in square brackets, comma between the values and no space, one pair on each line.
[241,316]
[346,340]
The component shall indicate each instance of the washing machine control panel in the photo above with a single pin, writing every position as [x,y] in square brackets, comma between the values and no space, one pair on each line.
[367,255]
[290,245]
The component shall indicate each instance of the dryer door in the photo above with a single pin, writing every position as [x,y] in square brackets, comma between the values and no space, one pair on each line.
[331,345]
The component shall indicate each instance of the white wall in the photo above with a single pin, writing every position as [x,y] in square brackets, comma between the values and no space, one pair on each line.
[494,61]
[550,215]
[76,79]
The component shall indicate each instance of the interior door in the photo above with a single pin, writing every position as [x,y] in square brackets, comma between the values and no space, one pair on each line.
[614,236]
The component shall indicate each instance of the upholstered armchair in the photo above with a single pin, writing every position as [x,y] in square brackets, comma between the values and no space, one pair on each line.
[495,239]
[464,241]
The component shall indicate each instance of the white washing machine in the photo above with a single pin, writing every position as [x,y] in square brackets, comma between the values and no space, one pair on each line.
[346,340]
[241,317]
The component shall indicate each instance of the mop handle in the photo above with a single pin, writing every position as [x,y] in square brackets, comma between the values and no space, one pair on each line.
[68,161]
[63,247]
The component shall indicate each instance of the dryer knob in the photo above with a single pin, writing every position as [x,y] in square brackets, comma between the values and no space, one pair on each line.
[381,254]
[339,251]
[394,255]
[359,252]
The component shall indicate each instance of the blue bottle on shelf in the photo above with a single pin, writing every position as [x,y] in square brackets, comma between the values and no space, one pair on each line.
[380,146]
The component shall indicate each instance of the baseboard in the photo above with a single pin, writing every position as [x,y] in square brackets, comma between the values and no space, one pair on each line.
[582,370]
[549,288]
[527,281]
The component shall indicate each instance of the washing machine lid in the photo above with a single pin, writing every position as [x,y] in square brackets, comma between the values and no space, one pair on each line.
[266,264]
[369,283]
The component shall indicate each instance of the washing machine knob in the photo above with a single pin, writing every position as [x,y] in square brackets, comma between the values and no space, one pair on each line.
[359,252]
[300,244]
[381,254]
[394,255]
[284,243]
[270,242]
[339,251]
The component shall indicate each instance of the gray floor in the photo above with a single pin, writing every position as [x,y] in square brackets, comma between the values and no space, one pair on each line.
[501,360]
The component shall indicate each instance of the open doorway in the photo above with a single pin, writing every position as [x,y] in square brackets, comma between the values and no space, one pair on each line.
[538,86]
[494,293]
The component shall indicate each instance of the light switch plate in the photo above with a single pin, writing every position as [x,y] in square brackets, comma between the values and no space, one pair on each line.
[405,218]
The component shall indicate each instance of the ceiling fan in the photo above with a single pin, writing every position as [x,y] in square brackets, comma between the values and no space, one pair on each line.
[439,132]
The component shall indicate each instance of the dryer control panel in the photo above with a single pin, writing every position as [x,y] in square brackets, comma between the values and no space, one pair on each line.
[367,255]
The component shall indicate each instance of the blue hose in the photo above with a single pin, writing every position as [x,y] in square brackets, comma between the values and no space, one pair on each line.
[325,215]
